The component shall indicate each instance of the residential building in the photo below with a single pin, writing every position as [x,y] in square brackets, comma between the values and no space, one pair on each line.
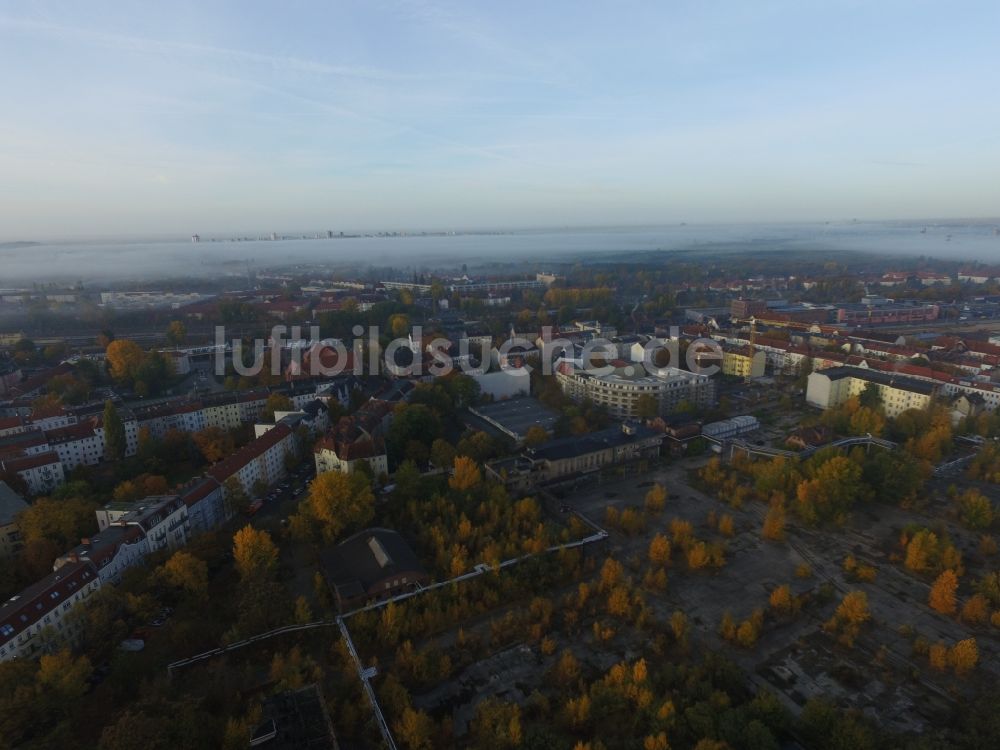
[743,362]
[260,461]
[40,472]
[37,619]
[626,391]
[112,551]
[163,520]
[830,388]
[11,504]
[206,505]
[350,443]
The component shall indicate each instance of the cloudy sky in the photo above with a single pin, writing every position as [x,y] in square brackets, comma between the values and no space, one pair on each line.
[177,117]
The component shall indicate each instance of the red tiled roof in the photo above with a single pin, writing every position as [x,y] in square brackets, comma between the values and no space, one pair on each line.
[71,432]
[24,463]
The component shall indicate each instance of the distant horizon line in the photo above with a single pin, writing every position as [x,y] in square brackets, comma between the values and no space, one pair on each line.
[311,234]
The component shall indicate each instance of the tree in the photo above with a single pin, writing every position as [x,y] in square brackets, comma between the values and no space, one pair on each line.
[114,433]
[186,572]
[62,677]
[937,654]
[833,488]
[976,610]
[61,521]
[176,333]
[871,396]
[851,614]
[942,596]
[466,474]
[255,555]
[415,730]
[235,496]
[698,556]
[656,498]
[412,422]
[276,402]
[975,509]
[964,655]
[335,502]
[659,550]
[214,443]
[781,600]
[497,725]
[442,453]
[535,436]
[647,406]
[303,612]
[399,325]
[124,358]
[866,421]
[774,521]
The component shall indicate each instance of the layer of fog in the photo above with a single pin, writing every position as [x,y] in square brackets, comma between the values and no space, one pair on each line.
[97,262]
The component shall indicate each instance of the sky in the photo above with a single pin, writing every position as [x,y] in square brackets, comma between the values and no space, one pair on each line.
[125,118]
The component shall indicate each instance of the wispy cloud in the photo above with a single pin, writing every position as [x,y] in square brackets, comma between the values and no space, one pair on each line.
[151,46]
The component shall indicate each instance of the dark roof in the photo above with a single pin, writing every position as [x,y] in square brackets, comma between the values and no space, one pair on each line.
[366,558]
[880,378]
[198,490]
[101,548]
[31,605]
[10,504]
[580,445]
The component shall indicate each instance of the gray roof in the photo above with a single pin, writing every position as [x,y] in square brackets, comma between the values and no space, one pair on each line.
[581,445]
[10,504]
[880,378]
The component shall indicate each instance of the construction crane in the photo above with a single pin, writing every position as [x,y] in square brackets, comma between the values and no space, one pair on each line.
[753,349]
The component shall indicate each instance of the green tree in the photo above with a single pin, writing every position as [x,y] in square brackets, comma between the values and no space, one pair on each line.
[647,406]
[276,402]
[871,396]
[114,433]
[176,333]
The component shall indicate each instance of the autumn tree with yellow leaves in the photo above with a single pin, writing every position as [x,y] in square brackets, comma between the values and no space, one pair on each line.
[942,596]
[851,614]
[466,474]
[254,553]
[336,502]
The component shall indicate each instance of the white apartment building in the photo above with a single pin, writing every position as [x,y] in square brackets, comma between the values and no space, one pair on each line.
[830,388]
[38,619]
[622,390]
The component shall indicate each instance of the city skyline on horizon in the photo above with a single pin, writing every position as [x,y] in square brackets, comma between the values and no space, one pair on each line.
[431,115]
